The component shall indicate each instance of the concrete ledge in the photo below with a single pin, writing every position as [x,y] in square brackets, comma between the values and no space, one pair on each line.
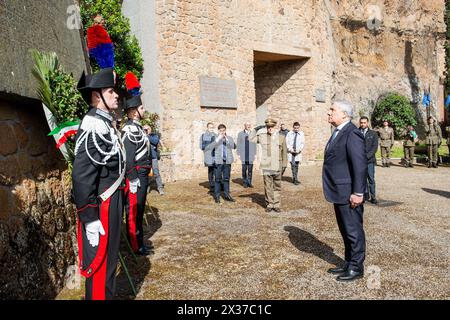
[279,52]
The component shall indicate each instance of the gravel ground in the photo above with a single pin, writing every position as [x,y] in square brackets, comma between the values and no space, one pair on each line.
[238,251]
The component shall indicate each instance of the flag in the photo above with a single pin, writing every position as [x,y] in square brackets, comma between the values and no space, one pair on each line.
[426,99]
[64,131]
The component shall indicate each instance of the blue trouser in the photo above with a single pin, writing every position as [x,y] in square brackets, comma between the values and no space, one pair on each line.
[211,177]
[222,173]
[350,223]
[370,188]
[155,166]
[247,172]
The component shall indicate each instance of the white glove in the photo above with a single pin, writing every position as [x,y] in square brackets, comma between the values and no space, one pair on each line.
[134,184]
[92,231]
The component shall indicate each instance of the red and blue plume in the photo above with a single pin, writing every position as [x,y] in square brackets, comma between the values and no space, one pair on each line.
[132,84]
[100,46]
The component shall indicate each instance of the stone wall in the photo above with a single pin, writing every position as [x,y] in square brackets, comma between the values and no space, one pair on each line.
[47,25]
[285,89]
[219,39]
[357,50]
[36,217]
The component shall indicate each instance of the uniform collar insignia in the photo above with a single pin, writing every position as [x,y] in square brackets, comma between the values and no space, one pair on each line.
[104,114]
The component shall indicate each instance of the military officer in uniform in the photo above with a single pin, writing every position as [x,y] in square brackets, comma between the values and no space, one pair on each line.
[433,141]
[273,161]
[138,165]
[408,145]
[386,142]
[97,177]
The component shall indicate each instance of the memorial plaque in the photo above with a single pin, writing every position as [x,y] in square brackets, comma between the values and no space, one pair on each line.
[321,95]
[215,92]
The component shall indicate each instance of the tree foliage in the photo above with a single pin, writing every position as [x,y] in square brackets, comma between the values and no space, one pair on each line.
[127,49]
[396,109]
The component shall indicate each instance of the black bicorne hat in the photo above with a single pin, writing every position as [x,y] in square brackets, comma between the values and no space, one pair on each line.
[133,87]
[100,80]
[133,102]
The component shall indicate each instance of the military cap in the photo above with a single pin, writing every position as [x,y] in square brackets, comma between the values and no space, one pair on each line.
[270,122]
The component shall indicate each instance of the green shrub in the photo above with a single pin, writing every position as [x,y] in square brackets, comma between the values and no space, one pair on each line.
[396,109]
[67,100]
[56,88]
[127,50]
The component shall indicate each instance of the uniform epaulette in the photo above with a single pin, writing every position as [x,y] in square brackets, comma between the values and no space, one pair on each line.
[95,124]
[130,128]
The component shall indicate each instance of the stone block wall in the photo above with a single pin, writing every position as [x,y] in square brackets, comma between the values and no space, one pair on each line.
[218,39]
[37,219]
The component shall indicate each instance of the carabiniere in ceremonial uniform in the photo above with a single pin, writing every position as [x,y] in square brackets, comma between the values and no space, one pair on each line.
[97,176]
[137,146]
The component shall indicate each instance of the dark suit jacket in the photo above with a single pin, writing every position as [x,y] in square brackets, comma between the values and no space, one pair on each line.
[371,140]
[345,166]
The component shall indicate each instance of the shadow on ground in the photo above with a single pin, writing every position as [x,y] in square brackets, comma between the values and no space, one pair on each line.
[308,243]
[256,198]
[441,193]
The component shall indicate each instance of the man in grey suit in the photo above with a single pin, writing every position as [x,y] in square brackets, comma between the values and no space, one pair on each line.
[223,151]
[344,181]
[246,150]
[206,140]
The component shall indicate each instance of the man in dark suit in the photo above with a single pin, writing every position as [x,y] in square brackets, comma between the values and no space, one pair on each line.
[371,142]
[344,180]
[246,151]
[223,152]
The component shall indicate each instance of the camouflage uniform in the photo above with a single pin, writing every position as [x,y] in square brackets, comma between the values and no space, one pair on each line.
[408,146]
[386,143]
[433,141]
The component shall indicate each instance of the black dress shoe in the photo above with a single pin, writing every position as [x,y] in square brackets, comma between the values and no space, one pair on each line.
[250,186]
[350,275]
[217,199]
[229,198]
[278,210]
[337,270]
[296,182]
[245,185]
[269,209]
[374,201]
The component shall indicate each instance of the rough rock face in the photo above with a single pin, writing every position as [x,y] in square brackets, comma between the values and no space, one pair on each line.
[357,50]
[389,46]
[36,217]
